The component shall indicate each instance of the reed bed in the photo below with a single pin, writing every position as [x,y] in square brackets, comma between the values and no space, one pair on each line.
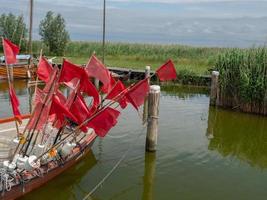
[243,79]
[197,60]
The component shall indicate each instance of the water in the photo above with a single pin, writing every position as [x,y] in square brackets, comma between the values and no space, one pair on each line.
[203,153]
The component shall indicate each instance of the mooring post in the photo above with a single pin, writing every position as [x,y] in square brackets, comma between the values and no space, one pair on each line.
[153,116]
[145,107]
[214,87]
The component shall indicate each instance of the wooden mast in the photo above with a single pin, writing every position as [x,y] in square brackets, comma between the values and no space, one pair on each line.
[30,28]
[104,32]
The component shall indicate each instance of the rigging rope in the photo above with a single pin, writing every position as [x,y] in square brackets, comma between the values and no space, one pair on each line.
[88,196]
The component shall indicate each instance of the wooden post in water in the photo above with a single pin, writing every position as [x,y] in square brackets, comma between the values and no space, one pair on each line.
[149,176]
[153,116]
[145,107]
[214,93]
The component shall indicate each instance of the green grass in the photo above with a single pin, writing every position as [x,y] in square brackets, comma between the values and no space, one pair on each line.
[196,60]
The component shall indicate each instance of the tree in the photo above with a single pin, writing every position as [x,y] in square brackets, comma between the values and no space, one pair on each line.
[53,33]
[14,28]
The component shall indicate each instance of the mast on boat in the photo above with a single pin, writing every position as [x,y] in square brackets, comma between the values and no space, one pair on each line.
[30,28]
[104,32]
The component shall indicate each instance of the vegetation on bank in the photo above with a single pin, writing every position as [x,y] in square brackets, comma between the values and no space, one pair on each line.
[243,76]
[188,60]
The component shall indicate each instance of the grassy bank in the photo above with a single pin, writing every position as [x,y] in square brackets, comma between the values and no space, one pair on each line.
[188,60]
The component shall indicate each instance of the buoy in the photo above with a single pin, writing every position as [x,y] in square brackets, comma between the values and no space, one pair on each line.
[32,163]
[66,149]
[9,166]
[21,162]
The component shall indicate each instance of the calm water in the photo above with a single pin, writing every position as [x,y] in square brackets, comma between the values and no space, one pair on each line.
[203,153]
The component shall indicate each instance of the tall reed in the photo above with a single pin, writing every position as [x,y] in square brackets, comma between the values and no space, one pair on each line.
[243,77]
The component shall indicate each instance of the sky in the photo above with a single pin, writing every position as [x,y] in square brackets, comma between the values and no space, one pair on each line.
[228,23]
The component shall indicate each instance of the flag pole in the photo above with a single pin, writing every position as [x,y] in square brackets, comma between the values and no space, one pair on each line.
[45,101]
[90,118]
[36,83]
[9,85]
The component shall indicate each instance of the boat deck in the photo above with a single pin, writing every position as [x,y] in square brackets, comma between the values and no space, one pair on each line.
[7,134]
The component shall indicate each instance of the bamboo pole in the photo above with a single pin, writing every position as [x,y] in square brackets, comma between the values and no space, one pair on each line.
[153,116]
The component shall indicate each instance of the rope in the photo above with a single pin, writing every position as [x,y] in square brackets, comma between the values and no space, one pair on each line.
[5,180]
[88,196]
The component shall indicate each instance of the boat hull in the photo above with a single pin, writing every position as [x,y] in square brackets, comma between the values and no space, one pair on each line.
[19,72]
[20,190]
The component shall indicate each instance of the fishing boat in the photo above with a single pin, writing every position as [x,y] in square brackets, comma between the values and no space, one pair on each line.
[61,129]
[21,70]
[20,182]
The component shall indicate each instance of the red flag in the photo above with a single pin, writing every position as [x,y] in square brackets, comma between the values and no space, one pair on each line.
[137,94]
[15,104]
[11,51]
[38,96]
[61,97]
[52,83]
[104,121]
[60,111]
[44,70]
[167,71]
[118,88]
[41,111]
[39,117]
[109,87]
[80,111]
[70,71]
[95,68]
[87,87]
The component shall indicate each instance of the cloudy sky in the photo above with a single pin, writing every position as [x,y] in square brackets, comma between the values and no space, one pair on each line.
[236,23]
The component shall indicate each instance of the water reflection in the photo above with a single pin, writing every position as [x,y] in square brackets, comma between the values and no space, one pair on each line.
[69,182]
[240,135]
[149,174]
[23,93]
[184,92]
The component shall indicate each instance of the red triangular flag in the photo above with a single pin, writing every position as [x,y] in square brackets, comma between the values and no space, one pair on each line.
[95,68]
[70,71]
[41,111]
[39,117]
[44,69]
[11,51]
[118,89]
[80,111]
[60,111]
[87,87]
[104,121]
[137,94]
[15,104]
[167,71]
[109,87]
